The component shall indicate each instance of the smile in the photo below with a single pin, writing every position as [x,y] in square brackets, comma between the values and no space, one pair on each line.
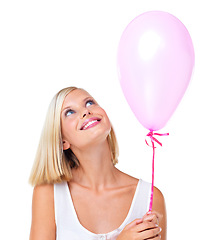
[90,123]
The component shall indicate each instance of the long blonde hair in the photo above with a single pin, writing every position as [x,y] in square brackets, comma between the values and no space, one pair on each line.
[53,164]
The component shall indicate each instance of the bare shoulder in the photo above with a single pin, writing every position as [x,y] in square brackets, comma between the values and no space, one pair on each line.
[43,215]
[159,206]
[44,190]
[43,199]
[158,201]
[158,195]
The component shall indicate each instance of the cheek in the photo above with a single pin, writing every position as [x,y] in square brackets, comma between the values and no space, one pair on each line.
[107,119]
[68,128]
[107,124]
[103,113]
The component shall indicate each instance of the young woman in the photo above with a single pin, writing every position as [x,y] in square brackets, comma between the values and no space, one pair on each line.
[79,194]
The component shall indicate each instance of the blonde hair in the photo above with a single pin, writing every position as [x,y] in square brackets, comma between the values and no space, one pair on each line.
[52,164]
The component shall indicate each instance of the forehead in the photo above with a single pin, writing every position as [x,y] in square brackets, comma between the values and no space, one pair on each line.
[76,96]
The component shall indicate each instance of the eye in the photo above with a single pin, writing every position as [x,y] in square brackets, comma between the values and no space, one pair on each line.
[89,102]
[69,112]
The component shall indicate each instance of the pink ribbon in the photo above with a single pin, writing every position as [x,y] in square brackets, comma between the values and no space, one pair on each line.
[153,139]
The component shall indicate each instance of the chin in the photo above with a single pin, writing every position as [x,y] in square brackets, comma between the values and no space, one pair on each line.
[97,137]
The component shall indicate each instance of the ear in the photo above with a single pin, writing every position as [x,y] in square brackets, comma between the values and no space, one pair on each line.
[66,145]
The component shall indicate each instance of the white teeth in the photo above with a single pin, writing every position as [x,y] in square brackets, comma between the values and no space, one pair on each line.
[88,124]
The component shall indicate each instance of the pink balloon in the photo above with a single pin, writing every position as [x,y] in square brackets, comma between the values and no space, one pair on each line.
[155,63]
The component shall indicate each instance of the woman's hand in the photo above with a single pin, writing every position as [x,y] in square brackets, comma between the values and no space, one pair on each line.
[141,229]
[153,216]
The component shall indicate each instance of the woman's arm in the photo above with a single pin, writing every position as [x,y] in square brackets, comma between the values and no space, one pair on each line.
[152,225]
[43,216]
[160,207]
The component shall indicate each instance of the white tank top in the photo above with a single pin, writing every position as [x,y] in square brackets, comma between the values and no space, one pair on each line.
[68,226]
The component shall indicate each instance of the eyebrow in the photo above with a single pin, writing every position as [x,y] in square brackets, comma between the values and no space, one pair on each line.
[84,100]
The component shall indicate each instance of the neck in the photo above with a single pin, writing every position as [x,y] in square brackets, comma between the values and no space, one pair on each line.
[96,170]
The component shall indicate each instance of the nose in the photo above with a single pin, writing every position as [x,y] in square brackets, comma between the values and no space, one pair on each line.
[86,112]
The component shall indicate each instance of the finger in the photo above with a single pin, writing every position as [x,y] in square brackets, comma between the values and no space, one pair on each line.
[133,223]
[144,226]
[151,218]
[159,215]
[150,233]
[158,237]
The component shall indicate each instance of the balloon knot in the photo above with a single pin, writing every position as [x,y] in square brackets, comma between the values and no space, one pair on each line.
[153,139]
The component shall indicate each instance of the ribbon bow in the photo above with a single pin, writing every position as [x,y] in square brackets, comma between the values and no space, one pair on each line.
[153,140]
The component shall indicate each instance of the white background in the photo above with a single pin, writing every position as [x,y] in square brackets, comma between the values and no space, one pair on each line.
[49,45]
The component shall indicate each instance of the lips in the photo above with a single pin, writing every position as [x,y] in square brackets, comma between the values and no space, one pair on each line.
[90,122]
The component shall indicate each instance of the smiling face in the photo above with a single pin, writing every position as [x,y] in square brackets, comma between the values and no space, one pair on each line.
[83,121]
